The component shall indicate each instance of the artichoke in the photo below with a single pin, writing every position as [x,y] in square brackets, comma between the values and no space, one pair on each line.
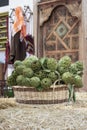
[11,81]
[62,70]
[68,78]
[46,83]
[14,74]
[28,61]
[52,64]
[19,80]
[22,81]
[80,68]
[33,58]
[53,76]
[78,81]
[17,63]
[77,68]
[34,81]
[73,68]
[19,69]
[79,65]
[36,65]
[41,74]
[64,62]
[28,72]
[26,82]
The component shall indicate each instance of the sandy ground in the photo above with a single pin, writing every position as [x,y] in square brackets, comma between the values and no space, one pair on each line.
[65,116]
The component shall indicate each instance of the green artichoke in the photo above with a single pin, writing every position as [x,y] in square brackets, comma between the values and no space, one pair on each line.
[53,76]
[28,72]
[11,81]
[36,65]
[26,82]
[34,81]
[19,69]
[19,80]
[68,78]
[28,61]
[46,83]
[52,64]
[41,74]
[62,70]
[64,62]
[17,63]
[78,81]
[79,65]
[77,68]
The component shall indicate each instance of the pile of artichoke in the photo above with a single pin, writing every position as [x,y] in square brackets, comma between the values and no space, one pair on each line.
[41,73]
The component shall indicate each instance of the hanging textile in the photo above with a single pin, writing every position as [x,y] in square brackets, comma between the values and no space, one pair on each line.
[18,45]
[18,48]
[30,44]
[19,23]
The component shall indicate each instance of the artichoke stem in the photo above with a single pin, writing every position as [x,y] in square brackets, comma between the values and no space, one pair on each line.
[72,96]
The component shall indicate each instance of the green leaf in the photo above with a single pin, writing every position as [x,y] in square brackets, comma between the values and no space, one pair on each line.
[46,70]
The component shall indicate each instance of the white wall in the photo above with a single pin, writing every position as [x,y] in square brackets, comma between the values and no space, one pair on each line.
[22,3]
[4,9]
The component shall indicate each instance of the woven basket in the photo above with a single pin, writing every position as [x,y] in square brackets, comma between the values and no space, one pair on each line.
[29,95]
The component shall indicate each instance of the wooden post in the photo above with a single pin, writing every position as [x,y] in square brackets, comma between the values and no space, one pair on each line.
[84,43]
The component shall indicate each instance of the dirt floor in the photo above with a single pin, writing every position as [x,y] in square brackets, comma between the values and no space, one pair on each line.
[65,116]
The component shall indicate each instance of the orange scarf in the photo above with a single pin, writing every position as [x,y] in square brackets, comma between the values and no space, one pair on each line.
[19,23]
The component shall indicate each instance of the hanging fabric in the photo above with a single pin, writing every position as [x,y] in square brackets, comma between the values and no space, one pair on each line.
[30,44]
[18,48]
[18,45]
[19,23]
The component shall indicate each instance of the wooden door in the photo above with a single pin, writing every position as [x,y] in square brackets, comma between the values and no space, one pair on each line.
[60,34]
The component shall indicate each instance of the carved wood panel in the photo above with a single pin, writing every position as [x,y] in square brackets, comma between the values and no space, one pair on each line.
[60,34]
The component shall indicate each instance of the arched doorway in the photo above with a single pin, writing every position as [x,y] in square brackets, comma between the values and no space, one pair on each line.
[59,31]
